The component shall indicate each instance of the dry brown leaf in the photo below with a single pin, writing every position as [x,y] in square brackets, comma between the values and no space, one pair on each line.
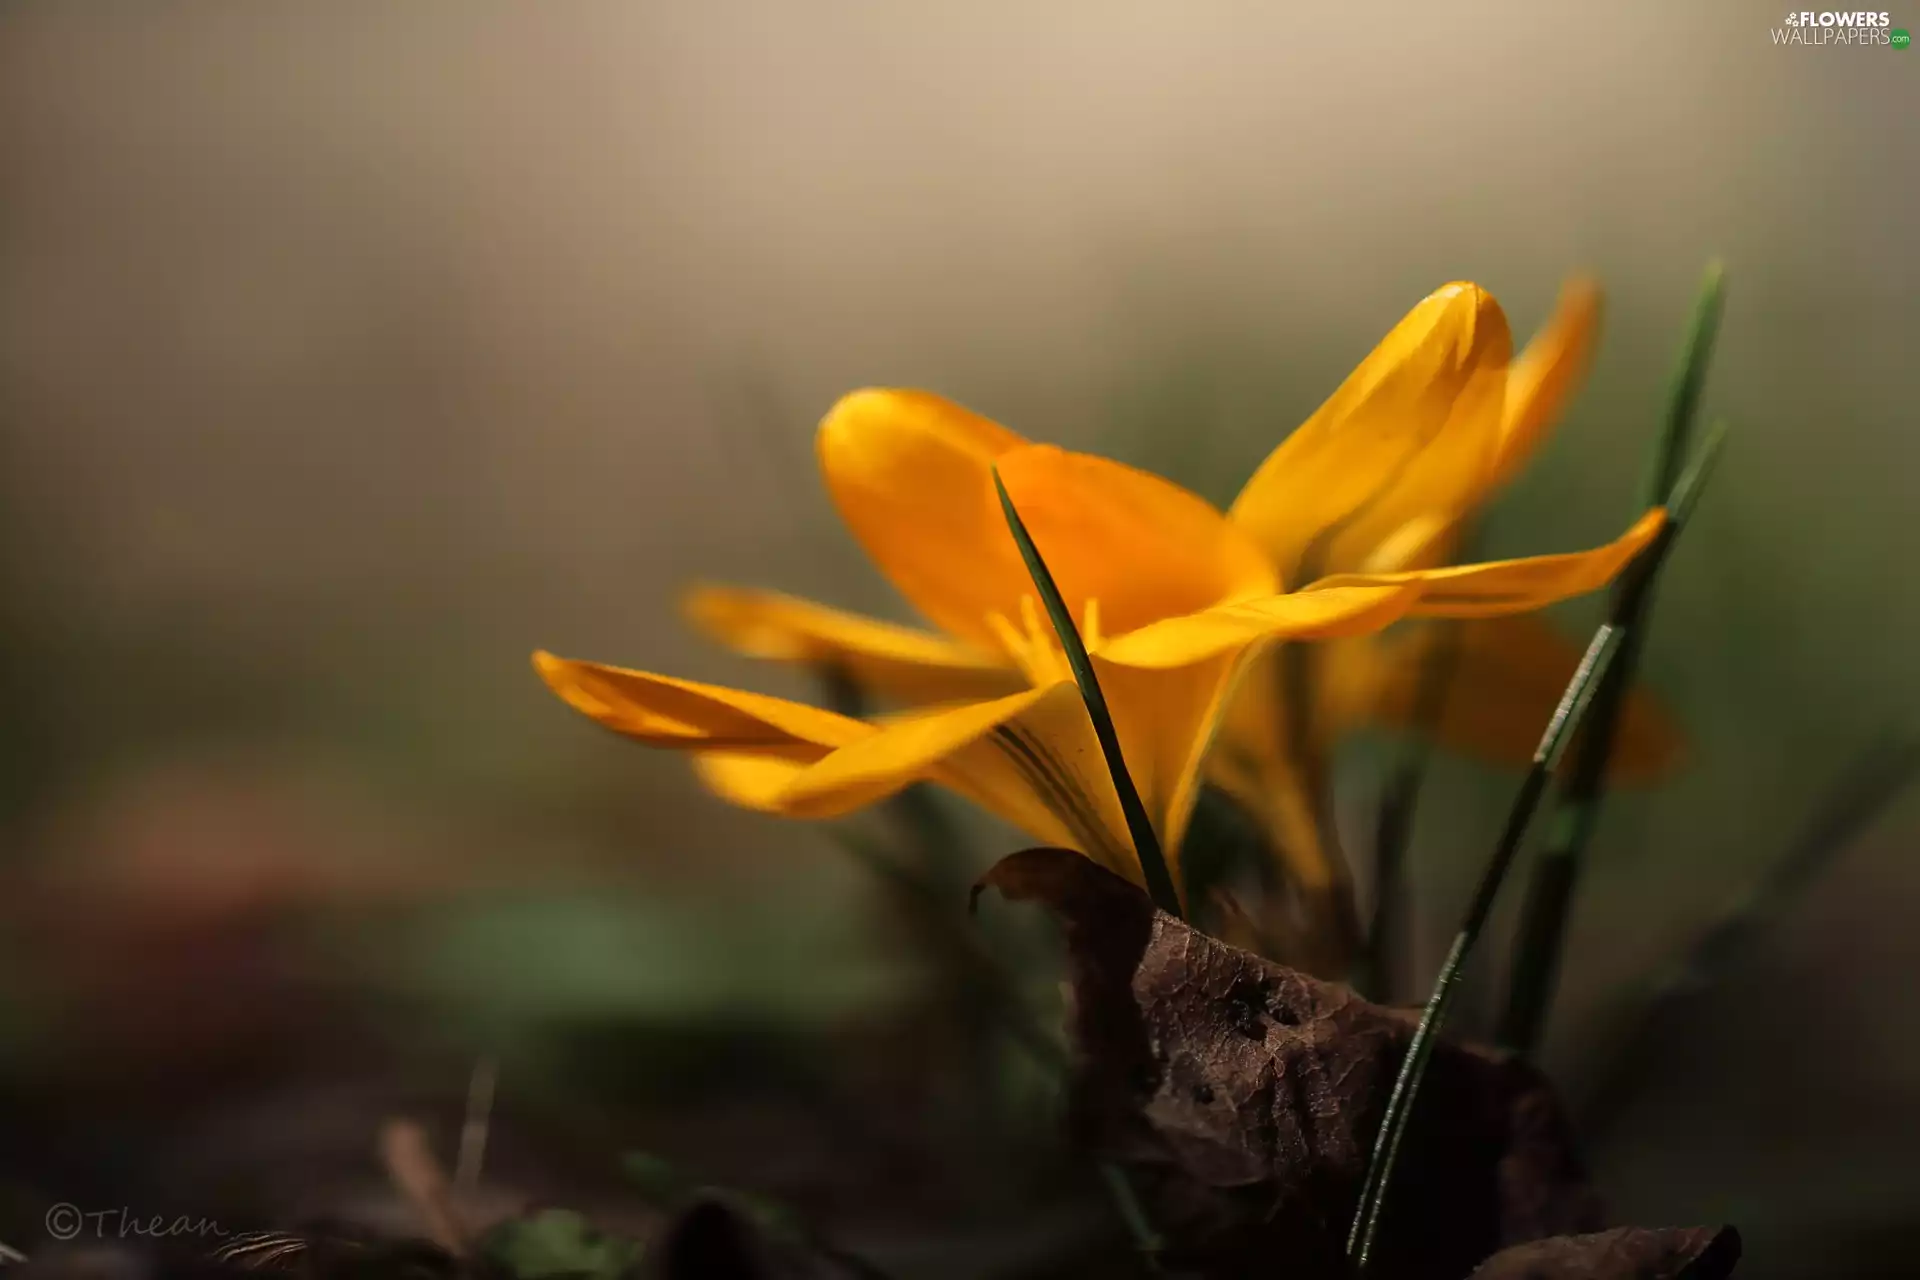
[1243,1098]
[1625,1253]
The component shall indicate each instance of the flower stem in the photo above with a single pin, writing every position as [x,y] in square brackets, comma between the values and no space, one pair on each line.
[1550,890]
[1601,653]
[1384,955]
[1153,865]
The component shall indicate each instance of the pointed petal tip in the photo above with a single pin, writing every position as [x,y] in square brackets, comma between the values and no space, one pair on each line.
[562,680]
[860,400]
[1462,289]
[1466,296]
[1572,327]
[706,605]
[736,617]
[1584,286]
[1468,317]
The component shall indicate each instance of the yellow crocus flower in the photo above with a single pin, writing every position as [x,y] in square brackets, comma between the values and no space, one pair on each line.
[1172,596]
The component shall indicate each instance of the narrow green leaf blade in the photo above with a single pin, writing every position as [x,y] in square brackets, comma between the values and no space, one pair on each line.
[1550,891]
[1153,863]
[1601,663]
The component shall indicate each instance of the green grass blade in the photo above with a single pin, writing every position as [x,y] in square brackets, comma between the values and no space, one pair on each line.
[1556,877]
[1146,1241]
[1153,864]
[1689,379]
[1601,658]
[1384,955]
[1686,493]
[1551,888]
[1393,1123]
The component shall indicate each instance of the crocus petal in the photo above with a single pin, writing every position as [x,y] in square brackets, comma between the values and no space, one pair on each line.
[1300,615]
[1031,758]
[1424,542]
[911,666]
[896,754]
[1140,545]
[1506,586]
[1505,677]
[911,474]
[1043,771]
[666,712]
[1539,384]
[1414,425]
[750,781]
[1545,375]
[1272,786]
[981,771]
[1273,756]
[1166,721]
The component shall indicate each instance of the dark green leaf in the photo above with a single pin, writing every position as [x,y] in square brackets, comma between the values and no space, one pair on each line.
[1146,843]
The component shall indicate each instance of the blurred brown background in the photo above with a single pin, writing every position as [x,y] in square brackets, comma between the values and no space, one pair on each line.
[349,352]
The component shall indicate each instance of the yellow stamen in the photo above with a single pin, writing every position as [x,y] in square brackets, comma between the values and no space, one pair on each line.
[1010,639]
[1032,646]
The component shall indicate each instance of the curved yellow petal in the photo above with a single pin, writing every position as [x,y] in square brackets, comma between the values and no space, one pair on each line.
[1166,721]
[911,474]
[1040,769]
[1142,546]
[896,754]
[750,781]
[1346,683]
[1275,765]
[665,712]
[1424,542]
[1545,376]
[1031,758]
[1539,384]
[1272,787]
[1505,677]
[1320,614]
[1273,755]
[1506,586]
[1414,427]
[913,666]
